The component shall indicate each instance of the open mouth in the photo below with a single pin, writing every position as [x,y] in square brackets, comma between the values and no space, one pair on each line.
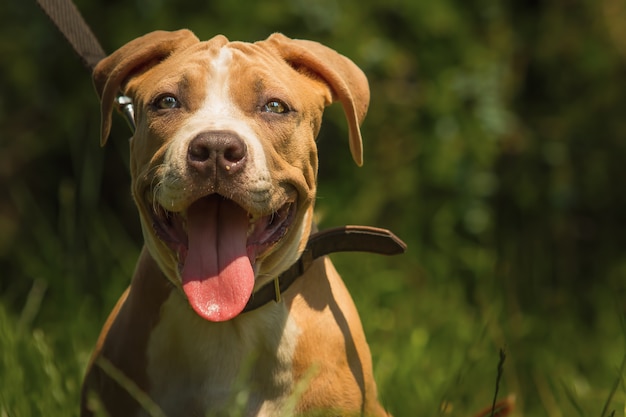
[262,233]
[217,243]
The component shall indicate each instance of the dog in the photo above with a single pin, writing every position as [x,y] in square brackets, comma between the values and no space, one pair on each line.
[223,166]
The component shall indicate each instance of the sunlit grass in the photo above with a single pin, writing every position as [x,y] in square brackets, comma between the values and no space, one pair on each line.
[434,340]
[434,354]
[37,379]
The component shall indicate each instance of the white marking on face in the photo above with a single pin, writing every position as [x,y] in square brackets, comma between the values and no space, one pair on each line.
[218,112]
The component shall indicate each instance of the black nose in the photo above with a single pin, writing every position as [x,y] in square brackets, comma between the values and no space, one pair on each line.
[217,151]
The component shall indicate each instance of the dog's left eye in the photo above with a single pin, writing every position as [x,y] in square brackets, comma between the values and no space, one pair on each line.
[166,102]
[275,106]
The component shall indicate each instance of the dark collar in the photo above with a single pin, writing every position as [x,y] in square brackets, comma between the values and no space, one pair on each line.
[339,239]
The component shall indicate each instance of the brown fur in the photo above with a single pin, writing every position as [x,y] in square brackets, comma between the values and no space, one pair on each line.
[304,355]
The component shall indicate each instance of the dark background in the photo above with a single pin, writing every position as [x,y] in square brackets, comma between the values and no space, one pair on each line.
[495,147]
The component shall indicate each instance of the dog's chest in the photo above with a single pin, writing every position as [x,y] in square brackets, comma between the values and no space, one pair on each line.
[196,367]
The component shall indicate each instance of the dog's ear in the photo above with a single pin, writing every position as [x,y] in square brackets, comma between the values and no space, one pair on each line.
[110,75]
[347,82]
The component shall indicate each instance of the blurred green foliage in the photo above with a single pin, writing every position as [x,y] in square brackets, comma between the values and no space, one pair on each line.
[494,147]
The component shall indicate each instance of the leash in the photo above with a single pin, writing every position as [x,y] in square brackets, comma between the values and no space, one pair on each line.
[71,24]
[69,21]
[339,239]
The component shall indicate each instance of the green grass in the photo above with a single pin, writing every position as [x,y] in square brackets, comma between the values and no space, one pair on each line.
[435,336]
[494,146]
[40,372]
[434,352]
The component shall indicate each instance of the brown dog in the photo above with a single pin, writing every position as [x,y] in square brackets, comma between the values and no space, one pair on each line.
[224,166]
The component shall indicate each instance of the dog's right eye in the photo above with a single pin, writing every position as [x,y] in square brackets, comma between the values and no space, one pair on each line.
[166,102]
[275,106]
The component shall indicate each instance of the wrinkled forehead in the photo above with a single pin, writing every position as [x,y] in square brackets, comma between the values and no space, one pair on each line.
[218,54]
[218,60]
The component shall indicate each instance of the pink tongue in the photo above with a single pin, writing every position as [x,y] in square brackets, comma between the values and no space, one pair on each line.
[217,275]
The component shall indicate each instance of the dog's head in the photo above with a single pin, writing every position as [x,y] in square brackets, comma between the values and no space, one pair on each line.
[223,159]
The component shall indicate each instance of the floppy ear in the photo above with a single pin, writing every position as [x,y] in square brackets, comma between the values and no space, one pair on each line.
[138,55]
[346,81]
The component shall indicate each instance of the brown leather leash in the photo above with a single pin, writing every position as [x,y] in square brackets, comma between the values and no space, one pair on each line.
[70,22]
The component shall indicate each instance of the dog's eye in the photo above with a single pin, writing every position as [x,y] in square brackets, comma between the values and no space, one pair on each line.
[275,106]
[166,102]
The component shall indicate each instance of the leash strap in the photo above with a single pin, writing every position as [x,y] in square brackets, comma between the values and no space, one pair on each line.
[339,239]
[71,24]
[69,21]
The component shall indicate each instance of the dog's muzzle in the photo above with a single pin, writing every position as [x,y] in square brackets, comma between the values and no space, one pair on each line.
[217,243]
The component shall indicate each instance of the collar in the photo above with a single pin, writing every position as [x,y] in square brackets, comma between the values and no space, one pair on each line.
[339,239]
